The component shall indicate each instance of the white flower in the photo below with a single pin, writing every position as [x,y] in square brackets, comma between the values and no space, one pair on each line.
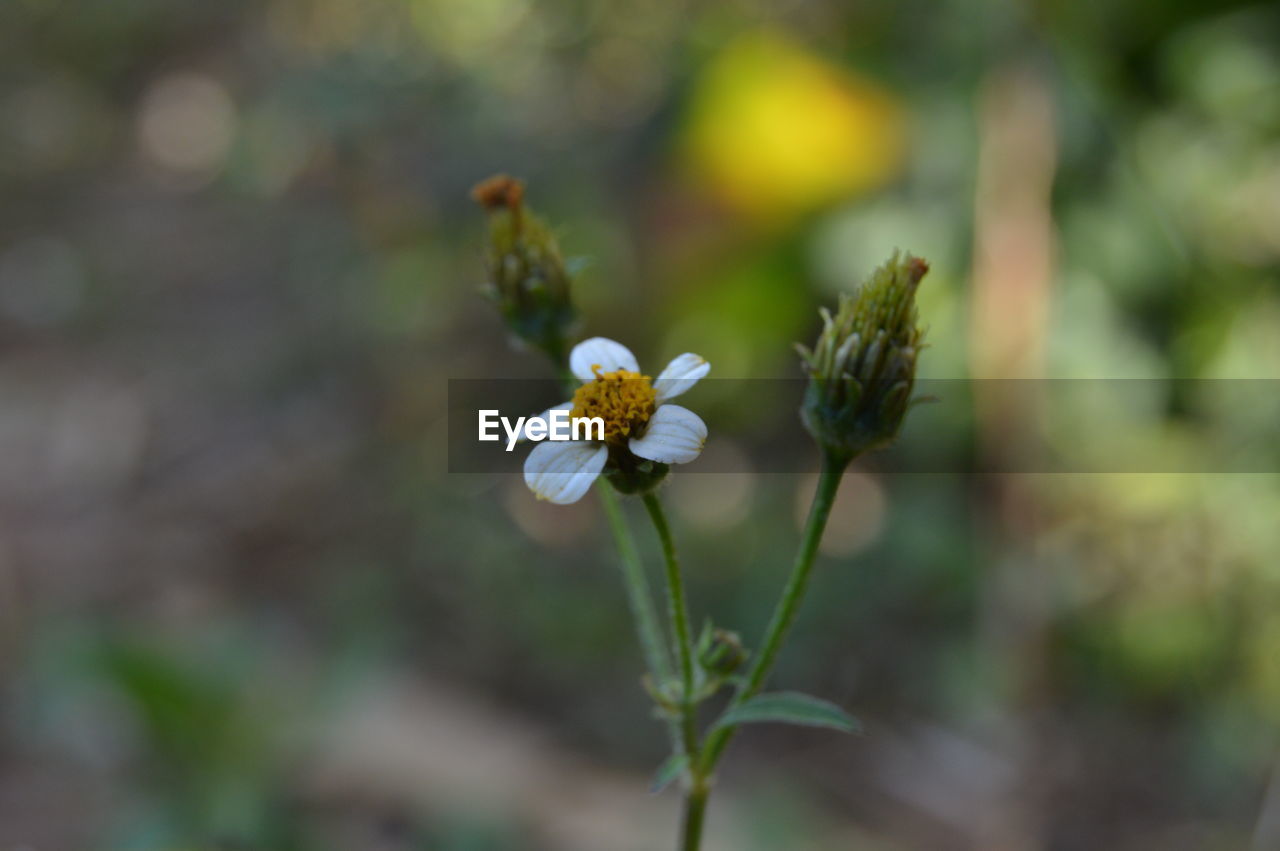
[637,416]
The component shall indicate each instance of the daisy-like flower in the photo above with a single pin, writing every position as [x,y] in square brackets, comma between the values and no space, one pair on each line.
[643,432]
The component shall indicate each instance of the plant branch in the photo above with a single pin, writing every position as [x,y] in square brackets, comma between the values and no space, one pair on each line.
[833,466]
[678,609]
[639,597]
[695,810]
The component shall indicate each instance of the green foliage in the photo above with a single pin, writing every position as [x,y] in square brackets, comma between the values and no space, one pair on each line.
[672,767]
[790,707]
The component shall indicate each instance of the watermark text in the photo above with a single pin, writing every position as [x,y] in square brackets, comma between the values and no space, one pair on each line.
[555,425]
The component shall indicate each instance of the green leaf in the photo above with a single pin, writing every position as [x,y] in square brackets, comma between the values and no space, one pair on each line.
[790,707]
[670,769]
[704,639]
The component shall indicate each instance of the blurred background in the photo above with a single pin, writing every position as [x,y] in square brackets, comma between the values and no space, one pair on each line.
[243,604]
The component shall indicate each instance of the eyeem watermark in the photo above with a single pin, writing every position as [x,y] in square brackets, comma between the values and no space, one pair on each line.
[556,425]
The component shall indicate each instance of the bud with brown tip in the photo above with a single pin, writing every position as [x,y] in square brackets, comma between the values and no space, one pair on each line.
[862,368]
[527,278]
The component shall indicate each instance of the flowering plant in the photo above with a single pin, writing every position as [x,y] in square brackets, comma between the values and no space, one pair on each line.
[642,432]
[861,373]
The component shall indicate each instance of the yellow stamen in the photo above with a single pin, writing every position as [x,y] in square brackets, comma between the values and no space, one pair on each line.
[623,399]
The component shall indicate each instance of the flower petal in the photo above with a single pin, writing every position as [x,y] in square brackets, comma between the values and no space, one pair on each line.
[562,471]
[602,352]
[546,415]
[680,375]
[675,435]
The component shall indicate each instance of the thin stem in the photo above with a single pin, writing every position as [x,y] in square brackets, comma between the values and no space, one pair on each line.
[695,804]
[678,609]
[640,599]
[684,734]
[695,811]
[833,466]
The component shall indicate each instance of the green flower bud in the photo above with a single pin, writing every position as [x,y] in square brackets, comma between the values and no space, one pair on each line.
[720,652]
[862,368]
[527,279]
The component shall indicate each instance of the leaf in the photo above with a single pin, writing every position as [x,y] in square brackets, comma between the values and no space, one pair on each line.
[670,769]
[704,639]
[790,707]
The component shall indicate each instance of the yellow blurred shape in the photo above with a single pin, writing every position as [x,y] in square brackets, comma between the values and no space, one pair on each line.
[775,131]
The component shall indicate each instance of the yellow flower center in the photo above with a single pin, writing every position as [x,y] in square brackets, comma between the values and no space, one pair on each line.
[623,399]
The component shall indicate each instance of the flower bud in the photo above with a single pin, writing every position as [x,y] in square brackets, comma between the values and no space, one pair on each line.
[527,276]
[862,368]
[720,652]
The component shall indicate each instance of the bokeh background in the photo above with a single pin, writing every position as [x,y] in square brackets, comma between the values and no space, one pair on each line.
[244,605]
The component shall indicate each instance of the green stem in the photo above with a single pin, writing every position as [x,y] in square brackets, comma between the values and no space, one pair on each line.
[657,658]
[695,811]
[833,466]
[639,597]
[678,610]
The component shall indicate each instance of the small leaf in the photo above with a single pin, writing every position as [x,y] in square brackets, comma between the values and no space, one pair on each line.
[790,707]
[670,769]
[704,638]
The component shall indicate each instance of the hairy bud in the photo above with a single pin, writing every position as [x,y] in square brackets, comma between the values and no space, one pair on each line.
[862,367]
[527,278]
